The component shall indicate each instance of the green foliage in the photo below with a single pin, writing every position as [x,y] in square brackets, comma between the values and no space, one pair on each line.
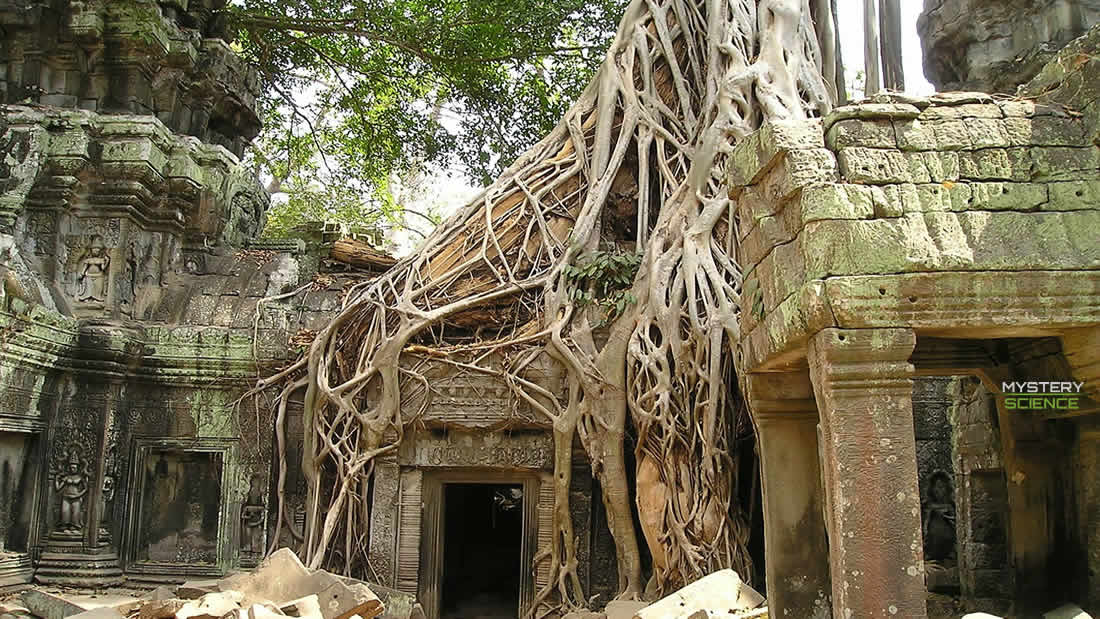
[357,92]
[604,279]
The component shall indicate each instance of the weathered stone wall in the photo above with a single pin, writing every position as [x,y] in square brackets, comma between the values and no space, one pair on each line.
[907,186]
[986,578]
[996,45]
[873,245]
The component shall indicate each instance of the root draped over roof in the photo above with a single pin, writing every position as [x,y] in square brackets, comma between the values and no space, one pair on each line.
[638,162]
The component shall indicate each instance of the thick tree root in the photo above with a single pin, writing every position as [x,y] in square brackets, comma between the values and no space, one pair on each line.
[682,82]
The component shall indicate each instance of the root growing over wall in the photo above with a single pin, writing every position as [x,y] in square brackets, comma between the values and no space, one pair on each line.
[647,143]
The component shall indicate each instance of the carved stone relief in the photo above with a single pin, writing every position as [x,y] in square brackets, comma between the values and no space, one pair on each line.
[495,449]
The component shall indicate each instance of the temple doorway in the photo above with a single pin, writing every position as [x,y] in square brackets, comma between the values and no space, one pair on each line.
[482,550]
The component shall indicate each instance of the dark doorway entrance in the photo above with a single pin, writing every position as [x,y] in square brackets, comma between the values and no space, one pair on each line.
[483,542]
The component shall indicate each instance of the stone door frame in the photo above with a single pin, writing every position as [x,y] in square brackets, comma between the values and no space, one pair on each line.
[228,512]
[16,568]
[433,526]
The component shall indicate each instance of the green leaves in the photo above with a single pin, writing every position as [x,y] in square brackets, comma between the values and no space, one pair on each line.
[357,91]
[604,279]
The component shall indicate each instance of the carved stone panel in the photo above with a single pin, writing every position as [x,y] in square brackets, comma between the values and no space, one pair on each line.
[528,450]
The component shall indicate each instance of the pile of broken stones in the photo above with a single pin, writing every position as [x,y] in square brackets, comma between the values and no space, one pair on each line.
[719,595]
[280,587]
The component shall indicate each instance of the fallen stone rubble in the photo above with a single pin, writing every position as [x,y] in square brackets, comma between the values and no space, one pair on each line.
[720,595]
[280,587]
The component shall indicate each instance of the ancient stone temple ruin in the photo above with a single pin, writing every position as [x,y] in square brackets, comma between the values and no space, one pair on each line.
[903,258]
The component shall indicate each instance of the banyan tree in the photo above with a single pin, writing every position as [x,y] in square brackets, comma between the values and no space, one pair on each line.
[607,249]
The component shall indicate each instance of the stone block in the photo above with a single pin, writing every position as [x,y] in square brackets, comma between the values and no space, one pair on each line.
[836,201]
[623,609]
[161,609]
[307,607]
[49,605]
[884,167]
[859,132]
[1063,163]
[998,196]
[584,614]
[1046,131]
[1067,611]
[913,134]
[161,593]
[1073,195]
[1004,164]
[718,592]
[988,133]
[342,598]
[757,153]
[211,606]
[195,589]
[871,111]
[965,110]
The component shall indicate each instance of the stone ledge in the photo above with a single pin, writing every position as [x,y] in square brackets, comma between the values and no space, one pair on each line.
[1036,303]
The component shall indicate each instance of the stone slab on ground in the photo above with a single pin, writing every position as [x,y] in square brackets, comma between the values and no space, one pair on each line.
[340,600]
[623,609]
[212,605]
[305,607]
[584,614]
[718,592]
[121,603]
[195,589]
[161,609]
[398,604]
[49,605]
[1067,611]
[280,578]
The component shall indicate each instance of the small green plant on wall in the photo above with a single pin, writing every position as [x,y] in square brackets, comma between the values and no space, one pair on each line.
[603,279]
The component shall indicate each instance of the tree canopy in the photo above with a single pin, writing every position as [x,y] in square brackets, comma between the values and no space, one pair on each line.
[359,93]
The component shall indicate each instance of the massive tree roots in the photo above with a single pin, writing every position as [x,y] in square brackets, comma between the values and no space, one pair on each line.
[637,164]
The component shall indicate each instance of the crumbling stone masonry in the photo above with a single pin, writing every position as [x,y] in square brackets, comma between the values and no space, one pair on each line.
[953,235]
[138,308]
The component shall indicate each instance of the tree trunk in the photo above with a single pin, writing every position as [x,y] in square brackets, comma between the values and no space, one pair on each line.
[682,82]
[872,76]
[893,72]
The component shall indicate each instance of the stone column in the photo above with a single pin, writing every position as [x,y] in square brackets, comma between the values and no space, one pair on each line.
[1088,510]
[383,519]
[862,379]
[797,549]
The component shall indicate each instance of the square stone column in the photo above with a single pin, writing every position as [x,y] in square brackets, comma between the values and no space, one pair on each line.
[862,379]
[797,549]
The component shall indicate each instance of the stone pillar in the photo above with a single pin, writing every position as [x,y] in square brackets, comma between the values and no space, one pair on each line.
[1088,511]
[383,519]
[862,379]
[797,549]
